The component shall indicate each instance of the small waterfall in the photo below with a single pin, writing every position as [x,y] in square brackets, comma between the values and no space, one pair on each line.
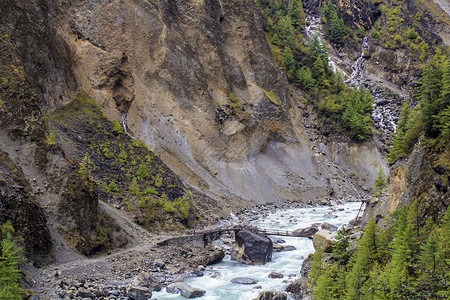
[124,123]
[359,69]
[313,28]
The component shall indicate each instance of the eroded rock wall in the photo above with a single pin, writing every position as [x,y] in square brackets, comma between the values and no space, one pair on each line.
[419,177]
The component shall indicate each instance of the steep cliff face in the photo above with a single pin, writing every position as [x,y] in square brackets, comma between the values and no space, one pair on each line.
[18,206]
[420,177]
[194,79]
[34,171]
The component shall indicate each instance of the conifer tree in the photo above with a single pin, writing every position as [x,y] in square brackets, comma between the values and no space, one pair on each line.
[9,262]
[380,182]
[296,13]
[362,262]
[402,253]
[288,59]
[326,288]
[340,248]
[338,30]
[318,72]
[316,267]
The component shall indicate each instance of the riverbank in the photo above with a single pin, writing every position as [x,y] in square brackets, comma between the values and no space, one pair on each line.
[115,274]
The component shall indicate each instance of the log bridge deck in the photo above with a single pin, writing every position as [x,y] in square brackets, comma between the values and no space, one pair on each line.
[263,231]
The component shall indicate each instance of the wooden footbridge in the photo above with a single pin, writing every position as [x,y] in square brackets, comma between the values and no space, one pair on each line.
[203,236]
[261,231]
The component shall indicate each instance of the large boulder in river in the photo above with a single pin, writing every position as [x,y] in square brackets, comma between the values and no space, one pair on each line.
[251,248]
[272,295]
[185,290]
[324,239]
[306,232]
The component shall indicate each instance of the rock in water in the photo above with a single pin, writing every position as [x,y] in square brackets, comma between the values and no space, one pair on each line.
[324,239]
[328,226]
[185,290]
[251,248]
[275,275]
[272,295]
[244,280]
[306,232]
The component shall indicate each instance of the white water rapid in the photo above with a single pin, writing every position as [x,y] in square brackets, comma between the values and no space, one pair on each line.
[216,281]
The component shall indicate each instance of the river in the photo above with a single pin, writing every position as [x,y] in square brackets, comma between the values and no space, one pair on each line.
[216,280]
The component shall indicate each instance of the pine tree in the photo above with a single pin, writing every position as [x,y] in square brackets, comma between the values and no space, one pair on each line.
[402,254]
[380,182]
[142,172]
[288,59]
[316,267]
[326,288]
[429,92]
[9,262]
[362,261]
[338,30]
[318,72]
[275,40]
[296,13]
[134,187]
[286,29]
[340,248]
[305,79]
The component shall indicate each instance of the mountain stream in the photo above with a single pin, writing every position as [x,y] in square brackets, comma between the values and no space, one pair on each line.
[216,281]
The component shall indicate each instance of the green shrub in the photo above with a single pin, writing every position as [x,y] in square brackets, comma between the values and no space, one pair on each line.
[134,187]
[168,207]
[411,34]
[142,172]
[112,187]
[117,127]
[51,138]
[158,181]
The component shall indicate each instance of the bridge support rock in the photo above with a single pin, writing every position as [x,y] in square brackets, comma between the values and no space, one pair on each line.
[251,248]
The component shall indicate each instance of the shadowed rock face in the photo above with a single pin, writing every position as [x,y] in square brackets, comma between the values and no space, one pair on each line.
[19,206]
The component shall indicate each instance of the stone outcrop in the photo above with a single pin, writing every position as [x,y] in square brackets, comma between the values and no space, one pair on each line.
[251,248]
